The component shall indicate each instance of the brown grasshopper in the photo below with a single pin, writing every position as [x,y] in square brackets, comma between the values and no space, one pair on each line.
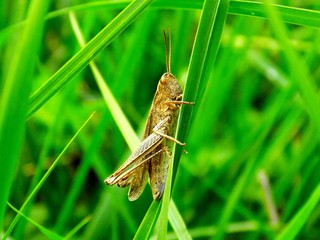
[149,158]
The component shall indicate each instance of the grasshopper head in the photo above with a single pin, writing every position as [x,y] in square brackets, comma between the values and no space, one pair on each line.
[169,86]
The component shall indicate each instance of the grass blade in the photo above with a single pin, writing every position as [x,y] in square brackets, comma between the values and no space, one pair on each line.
[148,221]
[299,16]
[252,164]
[177,222]
[44,178]
[79,61]
[292,229]
[204,52]
[77,227]
[122,122]
[299,73]
[49,234]
[307,89]
[14,99]
[203,56]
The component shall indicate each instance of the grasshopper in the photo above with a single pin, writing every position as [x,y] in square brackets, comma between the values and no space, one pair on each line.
[150,159]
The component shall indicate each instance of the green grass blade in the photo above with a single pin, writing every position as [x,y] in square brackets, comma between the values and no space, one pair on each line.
[292,229]
[148,221]
[123,125]
[203,56]
[307,89]
[299,71]
[251,165]
[204,52]
[122,122]
[177,222]
[233,228]
[79,61]
[77,227]
[164,211]
[119,117]
[52,133]
[14,97]
[44,178]
[49,234]
[299,16]
[81,176]
[264,65]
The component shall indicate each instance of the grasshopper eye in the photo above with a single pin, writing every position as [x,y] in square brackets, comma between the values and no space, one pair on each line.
[164,79]
[178,98]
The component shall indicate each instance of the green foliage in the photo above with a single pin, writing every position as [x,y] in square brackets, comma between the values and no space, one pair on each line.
[252,137]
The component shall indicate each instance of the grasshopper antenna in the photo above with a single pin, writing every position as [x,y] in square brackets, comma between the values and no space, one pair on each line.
[168,50]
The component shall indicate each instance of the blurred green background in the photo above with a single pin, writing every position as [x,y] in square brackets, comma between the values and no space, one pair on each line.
[252,167]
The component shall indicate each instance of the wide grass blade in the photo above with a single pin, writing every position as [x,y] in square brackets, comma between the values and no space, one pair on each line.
[14,97]
[203,56]
[205,48]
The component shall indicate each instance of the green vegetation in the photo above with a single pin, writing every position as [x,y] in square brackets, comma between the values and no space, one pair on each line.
[67,122]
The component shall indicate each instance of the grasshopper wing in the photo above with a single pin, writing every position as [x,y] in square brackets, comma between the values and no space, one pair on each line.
[126,170]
